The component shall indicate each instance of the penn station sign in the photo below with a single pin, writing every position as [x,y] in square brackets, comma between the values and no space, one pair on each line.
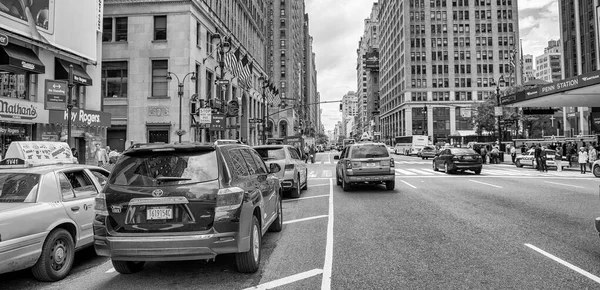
[16,110]
[80,117]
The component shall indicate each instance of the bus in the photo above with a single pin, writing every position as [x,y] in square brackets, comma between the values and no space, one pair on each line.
[410,145]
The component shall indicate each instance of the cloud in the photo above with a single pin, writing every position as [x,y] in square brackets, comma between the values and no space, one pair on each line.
[538,27]
[534,4]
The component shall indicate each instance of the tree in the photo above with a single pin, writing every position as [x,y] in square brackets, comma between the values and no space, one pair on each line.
[322,139]
[483,116]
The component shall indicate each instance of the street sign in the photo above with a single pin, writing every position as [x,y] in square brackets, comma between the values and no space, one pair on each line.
[218,122]
[497,111]
[55,95]
[255,120]
[204,116]
[221,82]
[233,108]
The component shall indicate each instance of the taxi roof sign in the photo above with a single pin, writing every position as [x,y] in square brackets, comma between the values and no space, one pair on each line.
[34,153]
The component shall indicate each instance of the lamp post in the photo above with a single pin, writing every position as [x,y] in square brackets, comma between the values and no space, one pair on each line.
[70,85]
[180,132]
[264,83]
[424,111]
[498,116]
[223,48]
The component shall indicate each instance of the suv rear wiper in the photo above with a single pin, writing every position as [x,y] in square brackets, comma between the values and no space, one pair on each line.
[170,178]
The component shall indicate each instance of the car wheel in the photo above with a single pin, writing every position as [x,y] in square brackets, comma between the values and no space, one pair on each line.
[277,224]
[345,185]
[57,257]
[248,262]
[295,192]
[596,171]
[337,178]
[477,171]
[518,164]
[305,187]
[435,168]
[389,185]
[128,267]
[446,168]
[423,158]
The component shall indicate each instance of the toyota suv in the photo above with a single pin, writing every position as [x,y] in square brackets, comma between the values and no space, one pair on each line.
[362,163]
[187,201]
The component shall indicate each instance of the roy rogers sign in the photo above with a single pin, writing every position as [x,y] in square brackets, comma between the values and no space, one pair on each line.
[22,111]
[79,117]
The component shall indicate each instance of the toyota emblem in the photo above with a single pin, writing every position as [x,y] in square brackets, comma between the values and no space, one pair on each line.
[157,192]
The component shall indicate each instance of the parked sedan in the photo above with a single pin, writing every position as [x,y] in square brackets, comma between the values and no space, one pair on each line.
[366,162]
[294,177]
[191,201]
[46,208]
[458,159]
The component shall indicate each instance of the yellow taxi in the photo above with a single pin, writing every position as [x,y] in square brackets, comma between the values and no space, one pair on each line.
[46,208]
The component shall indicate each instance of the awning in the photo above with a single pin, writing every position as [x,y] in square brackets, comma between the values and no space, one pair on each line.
[80,76]
[19,59]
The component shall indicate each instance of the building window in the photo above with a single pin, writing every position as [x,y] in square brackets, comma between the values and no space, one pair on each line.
[114,79]
[107,33]
[158,135]
[209,47]
[159,78]
[209,84]
[14,85]
[160,27]
[198,34]
[121,29]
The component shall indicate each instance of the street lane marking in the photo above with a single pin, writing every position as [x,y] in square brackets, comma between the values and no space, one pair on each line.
[328,264]
[327,173]
[565,263]
[408,184]
[287,280]
[419,171]
[111,270]
[485,183]
[564,184]
[404,172]
[304,219]
[307,197]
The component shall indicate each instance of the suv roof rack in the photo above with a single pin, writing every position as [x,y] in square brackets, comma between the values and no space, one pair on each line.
[159,146]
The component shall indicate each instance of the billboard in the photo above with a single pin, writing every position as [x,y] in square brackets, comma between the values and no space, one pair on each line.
[66,24]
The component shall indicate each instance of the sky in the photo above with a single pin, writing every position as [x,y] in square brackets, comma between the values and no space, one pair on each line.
[337,25]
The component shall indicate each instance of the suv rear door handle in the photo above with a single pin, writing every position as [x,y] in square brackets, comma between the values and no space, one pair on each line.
[75,208]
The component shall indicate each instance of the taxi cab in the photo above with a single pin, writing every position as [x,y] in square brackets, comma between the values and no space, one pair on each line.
[46,208]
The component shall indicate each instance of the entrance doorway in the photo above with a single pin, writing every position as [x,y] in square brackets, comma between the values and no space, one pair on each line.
[81,149]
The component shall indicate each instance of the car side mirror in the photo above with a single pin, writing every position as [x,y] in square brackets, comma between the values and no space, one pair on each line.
[336,157]
[274,168]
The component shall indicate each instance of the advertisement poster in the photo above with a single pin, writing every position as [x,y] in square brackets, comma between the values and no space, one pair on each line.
[44,20]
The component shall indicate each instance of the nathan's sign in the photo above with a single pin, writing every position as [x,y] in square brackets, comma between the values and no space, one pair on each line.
[22,111]
[79,117]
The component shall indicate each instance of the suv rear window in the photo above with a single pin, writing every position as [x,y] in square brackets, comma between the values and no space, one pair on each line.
[368,151]
[19,187]
[271,153]
[155,169]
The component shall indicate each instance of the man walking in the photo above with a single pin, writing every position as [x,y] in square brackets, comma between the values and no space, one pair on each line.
[537,154]
[582,159]
[513,153]
[101,155]
[558,159]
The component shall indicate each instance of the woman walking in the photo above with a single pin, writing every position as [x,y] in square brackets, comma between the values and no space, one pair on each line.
[583,158]
[592,154]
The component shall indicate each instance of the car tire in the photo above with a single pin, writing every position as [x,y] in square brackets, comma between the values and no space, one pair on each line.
[56,260]
[423,158]
[305,187]
[389,185]
[248,262]
[446,168]
[518,164]
[277,224]
[295,192]
[596,171]
[477,171]
[128,267]
[337,178]
[435,168]
[345,185]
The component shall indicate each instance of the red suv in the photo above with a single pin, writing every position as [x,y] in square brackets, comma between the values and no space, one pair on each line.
[167,202]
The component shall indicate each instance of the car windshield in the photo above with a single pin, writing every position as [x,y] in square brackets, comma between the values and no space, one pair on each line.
[271,153]
[154,169]
[19,187]
[462,151]
[369,151]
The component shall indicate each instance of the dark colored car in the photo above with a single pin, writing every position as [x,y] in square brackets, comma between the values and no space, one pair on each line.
[187,201]
[365,163]
[458,159]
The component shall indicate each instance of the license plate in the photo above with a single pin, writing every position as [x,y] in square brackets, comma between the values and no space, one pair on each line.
[159,213]
[468,157]
[371,164]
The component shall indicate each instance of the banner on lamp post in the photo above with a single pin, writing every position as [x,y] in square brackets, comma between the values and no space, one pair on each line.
[497,111]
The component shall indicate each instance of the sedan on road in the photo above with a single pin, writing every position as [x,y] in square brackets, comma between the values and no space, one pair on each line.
[528,159]
[294,177]
[427,152]
[365,163]
[458,159]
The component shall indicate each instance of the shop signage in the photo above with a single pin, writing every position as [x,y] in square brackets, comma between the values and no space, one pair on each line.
[595,121]
[217,122]
[22,111]
[79,117]
[12,131]
[572,115]
[205,115]
[55,95]
[158,111]
[3,39]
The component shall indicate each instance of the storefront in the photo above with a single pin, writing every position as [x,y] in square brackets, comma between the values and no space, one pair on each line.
[87,129]
[19,121]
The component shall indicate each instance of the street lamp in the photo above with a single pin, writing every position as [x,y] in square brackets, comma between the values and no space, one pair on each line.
[70,85]
[264,83]
[223,48]
[498,114]
[180,132]
[424,111]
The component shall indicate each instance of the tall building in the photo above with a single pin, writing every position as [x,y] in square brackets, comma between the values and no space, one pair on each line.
[152,50]
[439,57]
[34,69]
[311,109]
[548,64]
[367,72]
[349,111]
[580,55]
[528,68]
[286,65]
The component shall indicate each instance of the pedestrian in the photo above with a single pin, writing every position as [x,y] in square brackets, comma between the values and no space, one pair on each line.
[537,154]
[312,153]
[513,153]
[569,153]
[494,155]
[593,155]
[306,153]
[101,155]
[74,152]
[558,159]
[582,159]
[483,154]
[543,158]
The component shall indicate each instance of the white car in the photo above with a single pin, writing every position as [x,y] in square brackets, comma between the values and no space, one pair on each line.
[596,168]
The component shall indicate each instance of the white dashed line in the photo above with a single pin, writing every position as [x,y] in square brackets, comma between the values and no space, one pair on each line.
[564,184]
[328,264]
[496,186]
[408,184]
[287,280]
[565,263]
[308,197]
[304,219]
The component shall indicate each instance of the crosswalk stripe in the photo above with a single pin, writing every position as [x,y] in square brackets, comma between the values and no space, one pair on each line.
[419,171]
[404,172]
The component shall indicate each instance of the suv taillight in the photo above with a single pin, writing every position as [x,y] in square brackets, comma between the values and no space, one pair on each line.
[229,198]
[348,164]
[289,167]
[392,162]
[100,207]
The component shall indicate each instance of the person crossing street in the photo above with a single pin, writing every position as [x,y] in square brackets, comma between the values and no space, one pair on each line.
[583,158]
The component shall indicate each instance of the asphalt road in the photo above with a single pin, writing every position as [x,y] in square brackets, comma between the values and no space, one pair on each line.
[506,228]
